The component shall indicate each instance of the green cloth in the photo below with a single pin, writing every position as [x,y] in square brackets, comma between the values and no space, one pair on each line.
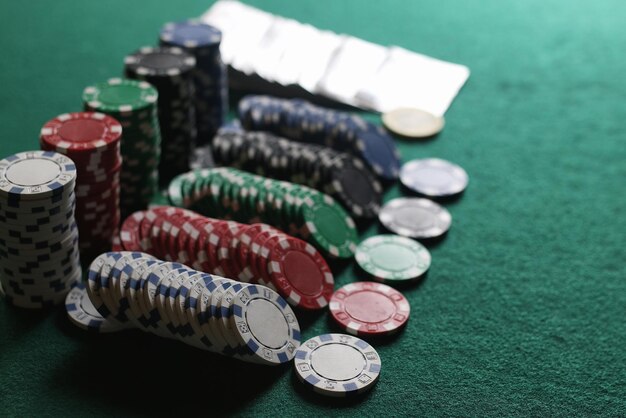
[523,311]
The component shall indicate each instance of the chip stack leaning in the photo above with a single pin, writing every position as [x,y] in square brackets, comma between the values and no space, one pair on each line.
[302,121]
[92,141]
[134,104]
[213,313]
[299,210]
[341,175]
[39,257]
[257,253]
[210,74]
[170,71]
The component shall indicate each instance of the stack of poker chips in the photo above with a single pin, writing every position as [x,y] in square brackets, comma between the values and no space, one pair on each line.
[134,105]
[296,209]
[256,253]
[92,141]
[302,121]
[210,74]
[170,70]
[341,175]
[39,257]
[135,290]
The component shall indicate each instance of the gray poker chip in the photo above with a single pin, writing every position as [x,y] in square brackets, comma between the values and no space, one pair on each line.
[415,218]
[434,177]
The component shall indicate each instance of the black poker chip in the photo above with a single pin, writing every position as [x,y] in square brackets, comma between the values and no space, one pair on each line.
[301,121]
[338,174]
[169,69]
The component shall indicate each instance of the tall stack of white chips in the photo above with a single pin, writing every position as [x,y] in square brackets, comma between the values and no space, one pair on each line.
[39,258]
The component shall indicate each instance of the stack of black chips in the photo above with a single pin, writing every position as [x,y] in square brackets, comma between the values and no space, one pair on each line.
[340,175]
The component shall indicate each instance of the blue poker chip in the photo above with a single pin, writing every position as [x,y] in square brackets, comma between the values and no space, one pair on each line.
[190,34]
[337,365]
[304,122]
[210,75]
[378,150]
[263,322]
[83,314]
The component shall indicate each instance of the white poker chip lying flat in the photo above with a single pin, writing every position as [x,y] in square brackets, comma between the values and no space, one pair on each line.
[415,218]
[413,123]
[434,177]
[337,365]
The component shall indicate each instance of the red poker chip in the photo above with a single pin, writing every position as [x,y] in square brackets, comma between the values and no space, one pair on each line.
[95,179]
[81,132]
[369,308]
[129,232]
[145,229]
[179,235]
[86,190]
[299,272]
[155,232]
[90,175]
[258,256]
[213,245]
[192,243]
[206,259]
[233,252]
[223,255]
[169,227]
[173,233]
[116,244]
[245,246]
[187,234]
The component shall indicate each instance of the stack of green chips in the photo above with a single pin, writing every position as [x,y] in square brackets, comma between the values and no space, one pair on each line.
[134,105]
[296,209]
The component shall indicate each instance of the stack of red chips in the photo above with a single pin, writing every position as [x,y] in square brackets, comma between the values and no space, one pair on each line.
[92,141]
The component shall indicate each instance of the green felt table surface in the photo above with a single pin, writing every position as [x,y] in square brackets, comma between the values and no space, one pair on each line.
[523,312]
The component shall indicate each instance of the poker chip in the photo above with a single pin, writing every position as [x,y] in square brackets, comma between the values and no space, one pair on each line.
[341,175]
[83,314]
[39,257]
[369,309]
[170,71]
[210,76]
[393,258]
[299,272]
[248,322]
[413,123]
[35,175]
[254,254]
[434,177]
[299,210]
[265,323]
[415,218]
[337,365]
[134,104]
[301,121]
[92,141]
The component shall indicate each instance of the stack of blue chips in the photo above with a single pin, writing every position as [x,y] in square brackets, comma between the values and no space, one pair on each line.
[302,121]
[210,74]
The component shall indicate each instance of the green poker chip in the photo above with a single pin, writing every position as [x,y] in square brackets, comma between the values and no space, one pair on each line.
[229,193]
[393,258]
[120,95]
[328,225]
[175,190]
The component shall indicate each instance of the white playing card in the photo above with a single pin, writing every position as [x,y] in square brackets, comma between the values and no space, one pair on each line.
[407,79]
[344,68]
[353,64]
